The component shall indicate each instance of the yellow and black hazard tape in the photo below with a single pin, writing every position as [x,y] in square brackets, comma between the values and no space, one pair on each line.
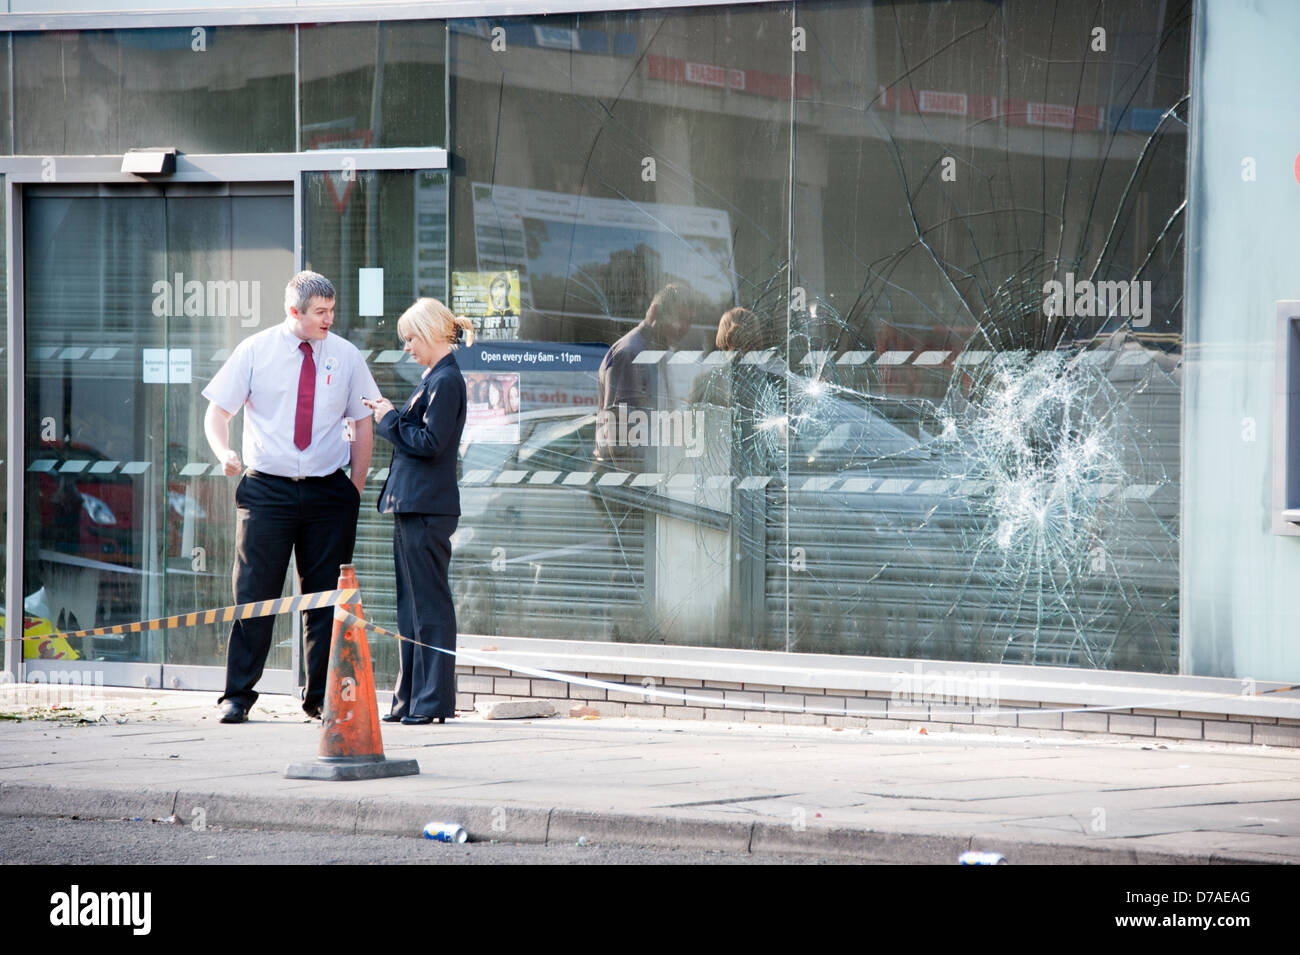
[258,608]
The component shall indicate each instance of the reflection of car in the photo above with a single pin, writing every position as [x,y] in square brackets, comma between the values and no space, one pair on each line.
[833,434]
[553,440]
[839,433]
[85,506]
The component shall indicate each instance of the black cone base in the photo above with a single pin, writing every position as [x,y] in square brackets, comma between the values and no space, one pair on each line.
[344,768]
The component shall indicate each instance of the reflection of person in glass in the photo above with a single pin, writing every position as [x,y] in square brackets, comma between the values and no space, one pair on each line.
[499,294]
[640,387]
[622,381]
[738,331]
[422,496]
[736,385]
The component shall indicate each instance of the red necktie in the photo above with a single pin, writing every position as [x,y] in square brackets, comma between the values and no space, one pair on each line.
[306,399]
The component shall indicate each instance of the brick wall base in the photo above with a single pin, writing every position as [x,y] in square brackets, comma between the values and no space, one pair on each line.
[868,709]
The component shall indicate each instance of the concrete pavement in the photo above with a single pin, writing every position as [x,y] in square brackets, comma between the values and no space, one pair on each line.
[850,795]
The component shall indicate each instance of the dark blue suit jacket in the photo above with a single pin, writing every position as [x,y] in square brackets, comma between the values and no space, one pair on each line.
[426,436]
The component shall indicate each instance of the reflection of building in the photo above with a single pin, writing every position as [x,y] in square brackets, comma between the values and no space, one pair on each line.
[629,278]
[601,257]
[926,463]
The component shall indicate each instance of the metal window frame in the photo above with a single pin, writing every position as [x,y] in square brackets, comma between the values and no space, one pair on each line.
[23,171]
[223,167]
[257,15]
[15,450]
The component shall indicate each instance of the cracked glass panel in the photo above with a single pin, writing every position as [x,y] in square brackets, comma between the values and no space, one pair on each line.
[917,392]
[983,400]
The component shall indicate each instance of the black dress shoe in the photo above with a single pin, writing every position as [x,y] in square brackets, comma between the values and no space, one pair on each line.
[232,712]
[391,718]
[417,720]
[313,710]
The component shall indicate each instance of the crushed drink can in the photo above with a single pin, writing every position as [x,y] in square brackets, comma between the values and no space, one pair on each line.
[982,858]
[445,832]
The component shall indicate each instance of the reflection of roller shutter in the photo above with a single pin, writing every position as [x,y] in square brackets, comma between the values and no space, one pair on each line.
[877,587]
[902,569]
[560,573]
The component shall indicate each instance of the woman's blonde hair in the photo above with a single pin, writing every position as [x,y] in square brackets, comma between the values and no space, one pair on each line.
[738,330]
[434,323]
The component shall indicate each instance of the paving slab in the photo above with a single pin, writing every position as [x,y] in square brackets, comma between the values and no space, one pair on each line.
[879,795]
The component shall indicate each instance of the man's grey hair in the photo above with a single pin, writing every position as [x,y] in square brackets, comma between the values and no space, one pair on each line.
[305,286]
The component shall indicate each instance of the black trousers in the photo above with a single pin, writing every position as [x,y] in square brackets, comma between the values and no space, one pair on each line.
[316,519]
[426,679]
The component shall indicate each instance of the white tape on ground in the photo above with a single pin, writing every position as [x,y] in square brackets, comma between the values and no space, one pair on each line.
[493,659]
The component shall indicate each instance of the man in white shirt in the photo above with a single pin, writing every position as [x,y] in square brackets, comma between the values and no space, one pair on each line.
[301,388]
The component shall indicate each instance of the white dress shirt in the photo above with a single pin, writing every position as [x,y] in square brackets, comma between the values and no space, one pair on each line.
[261,376]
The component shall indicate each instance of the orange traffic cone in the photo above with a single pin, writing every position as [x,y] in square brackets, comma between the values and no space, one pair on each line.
[350,744]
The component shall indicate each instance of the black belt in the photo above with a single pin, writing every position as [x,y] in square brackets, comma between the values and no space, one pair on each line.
[296,480]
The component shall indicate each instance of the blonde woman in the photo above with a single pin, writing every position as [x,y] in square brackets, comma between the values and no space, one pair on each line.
[422,496]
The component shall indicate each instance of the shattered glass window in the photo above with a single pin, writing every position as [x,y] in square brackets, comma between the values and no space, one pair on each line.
[916,390]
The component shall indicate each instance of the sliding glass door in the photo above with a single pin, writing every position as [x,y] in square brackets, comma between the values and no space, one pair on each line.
[133,297]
